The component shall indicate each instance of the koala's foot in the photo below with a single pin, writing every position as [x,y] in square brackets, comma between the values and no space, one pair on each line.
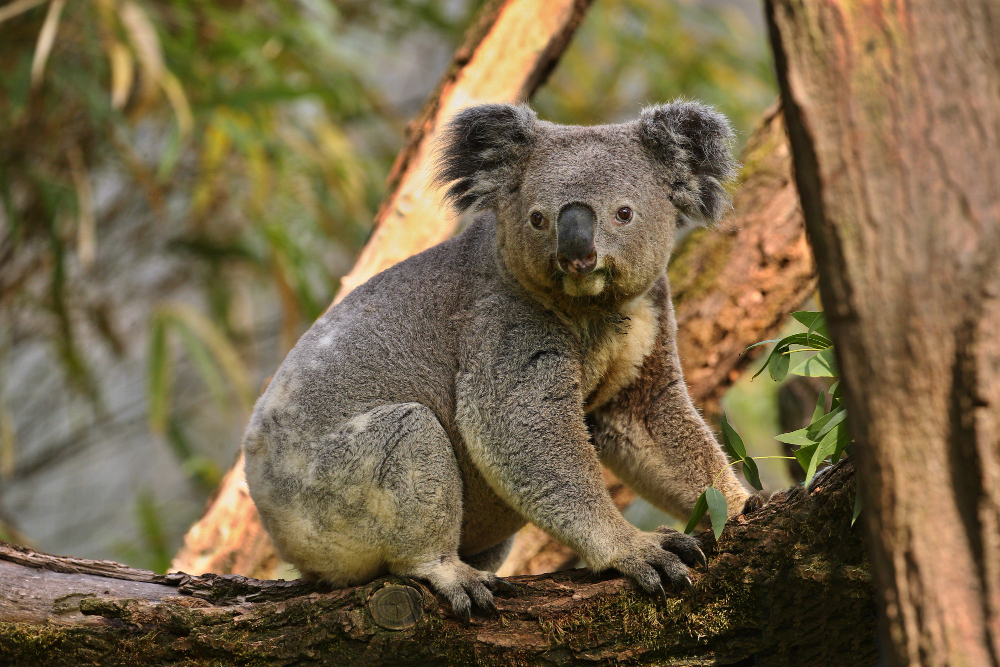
[754,503]
[462,585]
[661,556]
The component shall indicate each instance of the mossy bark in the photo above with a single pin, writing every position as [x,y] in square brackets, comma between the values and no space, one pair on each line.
[788,584]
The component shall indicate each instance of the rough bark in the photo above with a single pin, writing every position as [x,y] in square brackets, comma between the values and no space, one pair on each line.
[894,116]
[787,585]
[505,56]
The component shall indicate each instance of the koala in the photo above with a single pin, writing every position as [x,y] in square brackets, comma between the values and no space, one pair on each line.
[479,385]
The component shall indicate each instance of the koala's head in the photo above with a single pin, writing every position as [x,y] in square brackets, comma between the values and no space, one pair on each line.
[589,212]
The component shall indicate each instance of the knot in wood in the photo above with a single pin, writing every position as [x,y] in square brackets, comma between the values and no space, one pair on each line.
[396,607]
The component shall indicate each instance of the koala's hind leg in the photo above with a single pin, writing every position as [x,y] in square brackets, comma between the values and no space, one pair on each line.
[409,493]
[491,559]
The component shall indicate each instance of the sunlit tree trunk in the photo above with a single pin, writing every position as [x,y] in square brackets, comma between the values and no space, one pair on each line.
[893,109]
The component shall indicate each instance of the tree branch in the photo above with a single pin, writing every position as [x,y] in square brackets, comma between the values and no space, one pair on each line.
[788,584]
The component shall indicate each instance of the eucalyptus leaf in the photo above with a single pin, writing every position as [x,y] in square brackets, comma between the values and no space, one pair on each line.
[697,514]
[717,509]
[798,437]
[805,454]
[825,448]
[819,365]
[813,320]
[820,406]
[813,340]
[782,347]
[777,364]
[810,434]
[763,342]
[732,441]
[838,416]
[843,442]
[751,473]
[835,393]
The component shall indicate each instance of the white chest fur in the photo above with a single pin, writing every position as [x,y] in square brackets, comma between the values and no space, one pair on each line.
[612,358]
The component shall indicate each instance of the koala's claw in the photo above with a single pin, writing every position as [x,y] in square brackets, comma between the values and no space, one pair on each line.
[685,546]
[660,558]
[500,586]
[465,588]
[462,609]
[754,503]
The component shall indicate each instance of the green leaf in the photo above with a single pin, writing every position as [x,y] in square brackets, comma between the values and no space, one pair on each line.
[814,340]
[825,448]
[763,342]
[697,514]
[777,364]
[813,320]
[820,406]
[820,365]
[732,441]
[858,504]
[806,340]
[805,454]
[799,437]
[810,434]
[838,416]
[717,509]
[843,441]
[835,392]
[751,474]
[781,347]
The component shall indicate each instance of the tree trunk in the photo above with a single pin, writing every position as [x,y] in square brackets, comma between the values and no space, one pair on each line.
[787,585]
[893,111]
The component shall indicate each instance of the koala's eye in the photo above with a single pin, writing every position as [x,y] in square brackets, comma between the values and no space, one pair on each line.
[624,215]
[539,221]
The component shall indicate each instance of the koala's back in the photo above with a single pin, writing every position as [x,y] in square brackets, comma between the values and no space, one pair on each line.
[392,340]
[340,425]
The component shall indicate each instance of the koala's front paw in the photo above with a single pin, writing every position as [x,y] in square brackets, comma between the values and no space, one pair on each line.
[663,555]
[754,503]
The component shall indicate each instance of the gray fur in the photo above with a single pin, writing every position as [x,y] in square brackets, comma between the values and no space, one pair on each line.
[419,423]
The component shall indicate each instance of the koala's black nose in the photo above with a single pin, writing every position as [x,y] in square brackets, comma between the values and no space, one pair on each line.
[575,233]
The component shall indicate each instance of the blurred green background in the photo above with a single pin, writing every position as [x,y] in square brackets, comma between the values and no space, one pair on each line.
[183,182]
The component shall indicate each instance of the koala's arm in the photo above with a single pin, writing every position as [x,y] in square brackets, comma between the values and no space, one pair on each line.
[521,417]
[654,439]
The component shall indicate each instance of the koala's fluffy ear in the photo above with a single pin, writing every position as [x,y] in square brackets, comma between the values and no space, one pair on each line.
[478,151]
[695,142]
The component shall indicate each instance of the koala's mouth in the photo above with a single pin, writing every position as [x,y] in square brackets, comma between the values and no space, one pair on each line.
[586,285]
